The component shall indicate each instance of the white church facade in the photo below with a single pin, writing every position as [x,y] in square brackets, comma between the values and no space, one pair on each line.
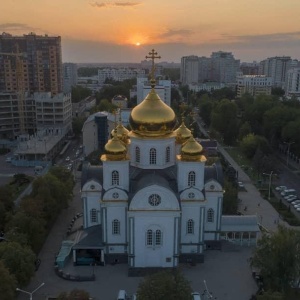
[153,202]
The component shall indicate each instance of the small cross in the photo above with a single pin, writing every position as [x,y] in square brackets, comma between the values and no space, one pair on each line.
[152,56]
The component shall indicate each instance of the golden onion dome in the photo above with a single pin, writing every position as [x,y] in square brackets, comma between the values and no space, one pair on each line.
[191,150]
[121,132]
[114,149]
[152,117]
[182,133]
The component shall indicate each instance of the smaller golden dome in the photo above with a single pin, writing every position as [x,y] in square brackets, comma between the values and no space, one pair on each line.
[182,133]
[121,132]
[114,149]
[191,150]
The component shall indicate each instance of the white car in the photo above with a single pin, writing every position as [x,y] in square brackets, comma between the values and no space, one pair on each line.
[280,188]
[290,197]
[241,185]
[296,202]
[68,158]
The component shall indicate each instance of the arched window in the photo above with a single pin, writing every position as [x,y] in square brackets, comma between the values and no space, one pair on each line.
[191,178]
[137,154]
[190,226]
[210,215]
[168,154]
[149,237]
[115,178]
[152,156]
[116,227]
[158,237]
[93,215]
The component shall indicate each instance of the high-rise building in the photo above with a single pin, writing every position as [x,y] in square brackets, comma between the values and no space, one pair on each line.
[69,76]
[40,67]
[221,67]
[189,69]
[276,67]
[292,83]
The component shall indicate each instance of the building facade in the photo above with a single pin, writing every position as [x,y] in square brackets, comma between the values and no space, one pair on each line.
[69,76]
[40,63]
[254,85]
[119,74]
[292,83]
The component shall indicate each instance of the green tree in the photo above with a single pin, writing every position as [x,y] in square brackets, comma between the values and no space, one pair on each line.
[278,91]
[19,260]
[77,124]
[278,258]
[8,283]
[74,294]
[245,129]
[251,142]
[224,120]
[79,93]
[230,200]
[269,295]
[166,285]
[205,109]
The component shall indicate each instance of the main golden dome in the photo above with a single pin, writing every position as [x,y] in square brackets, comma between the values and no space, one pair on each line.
[152,117]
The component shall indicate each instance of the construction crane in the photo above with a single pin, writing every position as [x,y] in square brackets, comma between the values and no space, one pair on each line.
[20,85]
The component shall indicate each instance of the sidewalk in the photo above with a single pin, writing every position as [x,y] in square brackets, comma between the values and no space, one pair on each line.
[268,217]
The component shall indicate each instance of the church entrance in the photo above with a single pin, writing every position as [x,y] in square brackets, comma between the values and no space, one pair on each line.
[153,257]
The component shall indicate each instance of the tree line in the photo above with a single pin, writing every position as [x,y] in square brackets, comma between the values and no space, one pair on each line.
[25,228]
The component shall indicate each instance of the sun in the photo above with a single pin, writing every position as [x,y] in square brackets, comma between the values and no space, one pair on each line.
[137,43]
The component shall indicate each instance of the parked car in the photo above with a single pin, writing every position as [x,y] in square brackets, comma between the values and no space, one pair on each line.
[196,296]
[241,185]
[296,202]
[298,209]
[290,197]
[280,188]
[8,159]
[68,158]
[297,205]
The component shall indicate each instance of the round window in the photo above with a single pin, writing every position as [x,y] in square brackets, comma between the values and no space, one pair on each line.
[212,187]
[154,200]
[191,195]
[115,195]
[92,187]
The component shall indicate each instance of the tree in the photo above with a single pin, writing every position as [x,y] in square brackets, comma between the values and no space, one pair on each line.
[8,283]
[230,200]
[74,294]
[251,142]
[269,295]
[165,285]
[77,124]
[19,260]
[79,93]
[278,258]
[245,129]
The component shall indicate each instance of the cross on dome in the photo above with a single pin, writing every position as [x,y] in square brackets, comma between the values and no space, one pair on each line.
[152,56]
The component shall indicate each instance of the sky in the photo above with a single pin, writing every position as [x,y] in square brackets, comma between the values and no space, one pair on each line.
[126,30]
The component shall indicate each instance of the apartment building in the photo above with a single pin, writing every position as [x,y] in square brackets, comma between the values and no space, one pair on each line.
[254,85]
[162,88]
[277,67]
[119,74]
[38,63]
[221,67]
[292,83]
[69,76]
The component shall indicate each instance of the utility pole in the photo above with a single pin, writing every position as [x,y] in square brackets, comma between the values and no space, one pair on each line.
[270,181]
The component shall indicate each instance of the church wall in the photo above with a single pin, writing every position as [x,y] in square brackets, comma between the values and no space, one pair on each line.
[91,202]
[116,211]
[160,145]
[152,255]
[183,169]
[122,167]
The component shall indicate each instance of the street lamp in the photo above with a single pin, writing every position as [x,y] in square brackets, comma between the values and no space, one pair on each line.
[270,181]
[288,151]
[206,293]
[30,294]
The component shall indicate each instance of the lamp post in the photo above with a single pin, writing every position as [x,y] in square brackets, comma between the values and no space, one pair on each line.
[270,181]
[30,294]
[288,151]
[206,293]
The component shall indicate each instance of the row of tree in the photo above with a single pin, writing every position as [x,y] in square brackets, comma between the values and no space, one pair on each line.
[26,227]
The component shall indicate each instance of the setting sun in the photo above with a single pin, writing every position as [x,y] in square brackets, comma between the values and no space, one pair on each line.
[138,44]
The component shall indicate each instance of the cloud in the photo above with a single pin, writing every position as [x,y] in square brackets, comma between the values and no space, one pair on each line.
[270,38]
[115,4]
[175,33]
[16,27]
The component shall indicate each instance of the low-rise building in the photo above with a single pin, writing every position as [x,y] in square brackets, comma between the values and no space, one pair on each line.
[254,85]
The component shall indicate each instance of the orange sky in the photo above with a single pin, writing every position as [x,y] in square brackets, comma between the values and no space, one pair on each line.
[247,28]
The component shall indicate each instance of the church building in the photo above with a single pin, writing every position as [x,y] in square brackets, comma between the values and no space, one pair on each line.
[153,202]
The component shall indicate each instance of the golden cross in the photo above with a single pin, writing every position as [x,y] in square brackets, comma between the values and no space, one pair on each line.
[152,56]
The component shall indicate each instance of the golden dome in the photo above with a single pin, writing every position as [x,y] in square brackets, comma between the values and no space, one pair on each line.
[121,132]
[152,117]
[192,151]
[114,149]
[182,133]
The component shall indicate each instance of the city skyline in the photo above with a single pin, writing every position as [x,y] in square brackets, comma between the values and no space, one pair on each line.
[125,30]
